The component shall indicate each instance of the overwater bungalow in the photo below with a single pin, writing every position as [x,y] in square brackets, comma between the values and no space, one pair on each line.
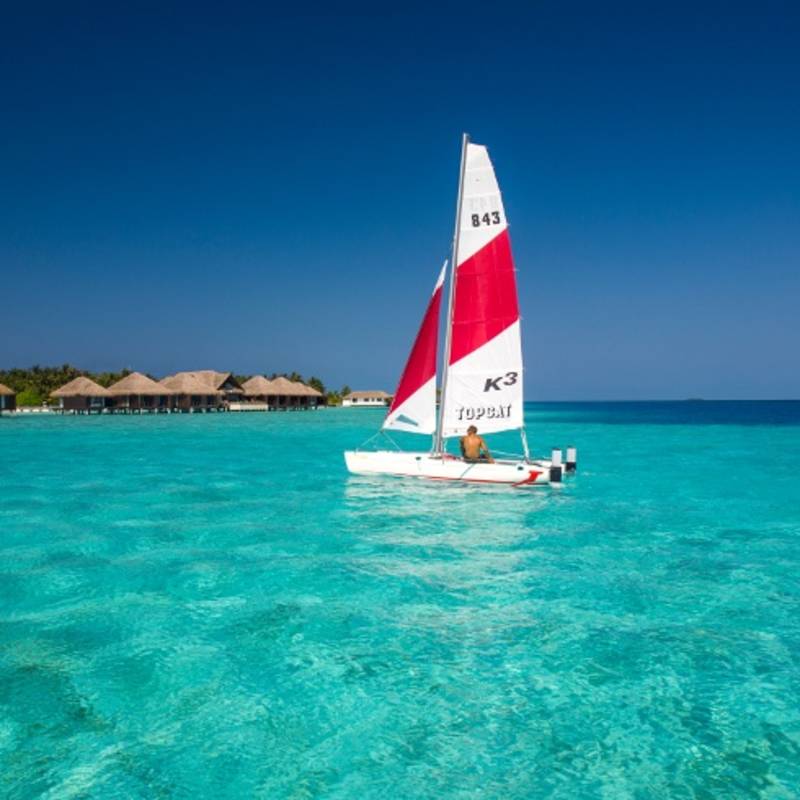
[136,393]
[192,394]
[82,396]
[313,397]
[8,399]
[291,395]
[259,394]
[222,387]
[232,391]
[278,394]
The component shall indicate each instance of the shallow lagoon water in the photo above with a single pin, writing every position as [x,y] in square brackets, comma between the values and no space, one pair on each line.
[209,606]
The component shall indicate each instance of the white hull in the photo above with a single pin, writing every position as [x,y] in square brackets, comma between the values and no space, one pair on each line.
[424,465]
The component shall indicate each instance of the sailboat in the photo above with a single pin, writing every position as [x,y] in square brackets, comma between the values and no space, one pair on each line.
[481,382]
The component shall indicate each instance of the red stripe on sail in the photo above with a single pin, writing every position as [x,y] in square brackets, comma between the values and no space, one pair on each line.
[421,364]
[486,297]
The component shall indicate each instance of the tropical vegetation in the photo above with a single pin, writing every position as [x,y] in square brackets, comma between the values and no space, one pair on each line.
[35,384]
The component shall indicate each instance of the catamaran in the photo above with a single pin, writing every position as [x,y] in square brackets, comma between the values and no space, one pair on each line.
[481,382]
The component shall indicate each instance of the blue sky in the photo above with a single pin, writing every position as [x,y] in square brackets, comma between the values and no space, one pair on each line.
[239,187]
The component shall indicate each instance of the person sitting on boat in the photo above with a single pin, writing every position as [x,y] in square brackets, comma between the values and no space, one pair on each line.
[473,448]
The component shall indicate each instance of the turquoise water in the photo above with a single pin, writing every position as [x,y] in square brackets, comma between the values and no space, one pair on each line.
[208,606]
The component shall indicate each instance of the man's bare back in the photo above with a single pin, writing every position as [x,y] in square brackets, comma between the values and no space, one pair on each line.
[473,448]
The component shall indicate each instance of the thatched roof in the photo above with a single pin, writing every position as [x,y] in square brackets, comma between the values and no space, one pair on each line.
[81,387]
[215,379]
[189,383]
[258,386]
[211,379]
[307,390]
[138,384]
[6,391]
[380,394]
[283,386]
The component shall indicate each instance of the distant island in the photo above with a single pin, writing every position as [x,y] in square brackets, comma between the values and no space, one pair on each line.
[35,385]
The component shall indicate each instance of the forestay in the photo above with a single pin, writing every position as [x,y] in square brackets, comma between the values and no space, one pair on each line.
[484,380]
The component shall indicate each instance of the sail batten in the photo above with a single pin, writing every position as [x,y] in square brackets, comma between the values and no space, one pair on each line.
[413,407]
[484,369]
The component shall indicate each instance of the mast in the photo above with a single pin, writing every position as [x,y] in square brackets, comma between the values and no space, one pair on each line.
[438,447]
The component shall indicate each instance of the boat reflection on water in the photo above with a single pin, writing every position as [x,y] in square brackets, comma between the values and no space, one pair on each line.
[457,562]
[428,512]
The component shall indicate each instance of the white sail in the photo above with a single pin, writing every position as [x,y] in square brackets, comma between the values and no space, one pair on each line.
[484,378]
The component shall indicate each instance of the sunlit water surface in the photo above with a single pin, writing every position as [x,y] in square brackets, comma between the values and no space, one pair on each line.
[208,606]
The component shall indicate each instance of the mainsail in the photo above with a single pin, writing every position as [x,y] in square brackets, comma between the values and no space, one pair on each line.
[483,386]
[413,408]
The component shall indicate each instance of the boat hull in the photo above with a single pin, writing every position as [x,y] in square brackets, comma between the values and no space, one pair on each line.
[424,465]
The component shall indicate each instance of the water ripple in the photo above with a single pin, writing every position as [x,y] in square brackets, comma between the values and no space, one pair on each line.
[186,610]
